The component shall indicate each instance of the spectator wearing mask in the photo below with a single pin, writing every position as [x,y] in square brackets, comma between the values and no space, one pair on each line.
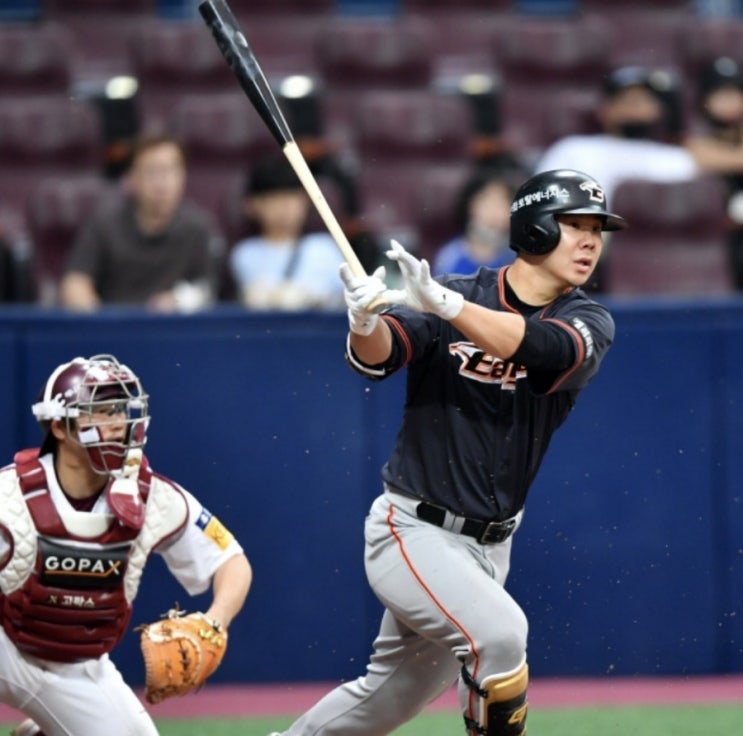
[482,213]
[633,140]
[717,143]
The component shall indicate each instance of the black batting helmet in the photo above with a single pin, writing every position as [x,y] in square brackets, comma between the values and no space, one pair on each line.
[534,229]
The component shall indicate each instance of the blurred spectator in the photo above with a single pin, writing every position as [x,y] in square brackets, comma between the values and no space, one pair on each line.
[632,144]
[305,114]
[718,8]
[283,267]
[717,143]
[7,272]
[16,278]
[482,213]
[152,247]
[636,122]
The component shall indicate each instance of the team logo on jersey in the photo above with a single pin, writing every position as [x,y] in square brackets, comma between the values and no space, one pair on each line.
[214,529]
[477,365]
[67,566]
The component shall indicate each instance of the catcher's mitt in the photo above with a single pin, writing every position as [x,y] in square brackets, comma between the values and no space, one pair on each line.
[180,651]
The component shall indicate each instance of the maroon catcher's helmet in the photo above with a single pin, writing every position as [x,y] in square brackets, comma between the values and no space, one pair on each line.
[87,385]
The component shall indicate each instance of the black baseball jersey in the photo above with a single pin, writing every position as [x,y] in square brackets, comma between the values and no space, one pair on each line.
[475,427]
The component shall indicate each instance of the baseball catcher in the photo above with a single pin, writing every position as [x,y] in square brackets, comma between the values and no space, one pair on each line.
[79,518]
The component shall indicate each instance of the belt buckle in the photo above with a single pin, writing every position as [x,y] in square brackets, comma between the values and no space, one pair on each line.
[496,532]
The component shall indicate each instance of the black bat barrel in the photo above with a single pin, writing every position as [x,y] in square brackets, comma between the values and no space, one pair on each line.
[241,59]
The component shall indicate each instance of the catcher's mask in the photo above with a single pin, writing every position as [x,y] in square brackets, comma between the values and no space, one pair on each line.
[534,229]
[89,394]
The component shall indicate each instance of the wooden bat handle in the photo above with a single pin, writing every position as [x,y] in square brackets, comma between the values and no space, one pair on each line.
[299,164]
[297,160]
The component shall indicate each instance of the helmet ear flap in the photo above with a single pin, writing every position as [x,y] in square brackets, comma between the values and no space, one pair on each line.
[538,237]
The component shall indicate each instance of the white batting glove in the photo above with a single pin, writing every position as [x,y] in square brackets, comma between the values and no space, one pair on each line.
[359,293]
[422,292]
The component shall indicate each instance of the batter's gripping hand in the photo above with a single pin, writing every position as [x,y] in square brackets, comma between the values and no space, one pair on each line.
[359,293]
[180,651]
[422,292]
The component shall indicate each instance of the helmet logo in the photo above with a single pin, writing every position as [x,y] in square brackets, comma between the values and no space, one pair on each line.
[595,192]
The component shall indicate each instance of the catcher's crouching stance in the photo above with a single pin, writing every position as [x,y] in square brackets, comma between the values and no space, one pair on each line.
[79,518]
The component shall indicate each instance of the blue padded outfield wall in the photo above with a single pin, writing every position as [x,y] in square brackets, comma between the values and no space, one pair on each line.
[630,558]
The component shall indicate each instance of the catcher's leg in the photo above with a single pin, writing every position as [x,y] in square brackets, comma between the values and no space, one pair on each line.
[503,704]
[27,728]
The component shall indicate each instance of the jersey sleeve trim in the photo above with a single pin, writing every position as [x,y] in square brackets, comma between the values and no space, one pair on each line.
[357,365]
[400,355]
[402,338]
[580,350]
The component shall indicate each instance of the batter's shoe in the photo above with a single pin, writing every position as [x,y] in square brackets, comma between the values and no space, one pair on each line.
[27,728]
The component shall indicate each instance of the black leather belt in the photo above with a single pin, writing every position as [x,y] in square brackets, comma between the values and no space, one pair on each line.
[485,532]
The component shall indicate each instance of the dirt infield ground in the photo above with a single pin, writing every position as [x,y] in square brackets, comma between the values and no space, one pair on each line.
[281,699]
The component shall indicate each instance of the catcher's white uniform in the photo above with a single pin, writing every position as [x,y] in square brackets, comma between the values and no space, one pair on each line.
[70,698]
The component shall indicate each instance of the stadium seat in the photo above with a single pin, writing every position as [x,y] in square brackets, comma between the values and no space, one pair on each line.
[101,30]
[643,35]
[532,122]
[171,59]
[63,8]
[546,93]
[40,136]
[482,5]
[220,129]
[435,198]
[366,52]
[402,139]
[281,7]
[665,5]
[536,51]
[36,59]
[704,39]
[399,126]
[47,131]
[57,208]
[676,240]
[412,203]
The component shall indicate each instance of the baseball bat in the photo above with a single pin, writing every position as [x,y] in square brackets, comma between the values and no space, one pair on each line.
[242,60]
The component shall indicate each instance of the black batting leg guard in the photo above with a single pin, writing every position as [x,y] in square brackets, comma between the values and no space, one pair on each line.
[503,706]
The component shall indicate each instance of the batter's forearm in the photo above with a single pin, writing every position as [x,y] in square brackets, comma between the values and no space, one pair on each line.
[374,348]
[498,333]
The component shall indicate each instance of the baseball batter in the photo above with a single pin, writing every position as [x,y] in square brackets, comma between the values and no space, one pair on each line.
[79,518]
[494,363]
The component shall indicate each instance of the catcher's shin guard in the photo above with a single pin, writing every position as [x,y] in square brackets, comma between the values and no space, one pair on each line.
[503,706]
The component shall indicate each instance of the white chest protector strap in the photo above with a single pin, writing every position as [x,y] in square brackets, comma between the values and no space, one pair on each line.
[16,518]
[166,514]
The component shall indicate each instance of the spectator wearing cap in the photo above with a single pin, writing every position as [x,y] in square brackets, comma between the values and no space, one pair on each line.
[635,140]
[282,267]
[716,142]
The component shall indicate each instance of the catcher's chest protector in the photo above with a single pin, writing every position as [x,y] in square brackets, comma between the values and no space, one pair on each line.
[77,604]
